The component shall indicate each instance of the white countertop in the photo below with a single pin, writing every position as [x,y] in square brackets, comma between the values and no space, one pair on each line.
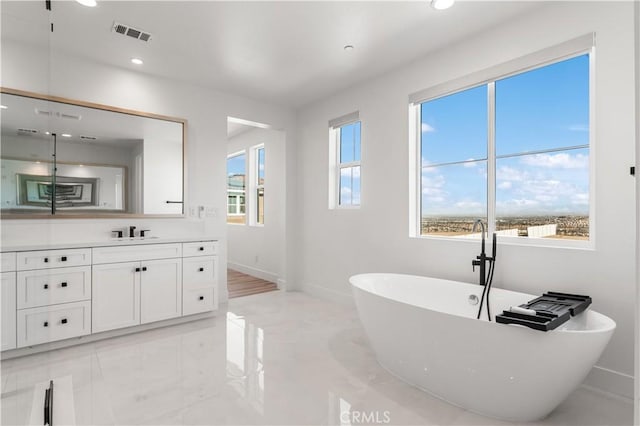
[105,243]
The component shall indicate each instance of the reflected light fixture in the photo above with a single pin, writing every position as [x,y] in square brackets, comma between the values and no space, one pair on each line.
[442,4]
[88,3]
[65,135]
[136,61]
[3,107]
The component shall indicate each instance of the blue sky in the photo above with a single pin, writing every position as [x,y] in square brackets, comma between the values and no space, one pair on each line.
[546,108]
[350,138]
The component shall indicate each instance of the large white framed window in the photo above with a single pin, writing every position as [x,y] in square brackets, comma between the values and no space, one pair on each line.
[511,148]
[236,188]
[345,137]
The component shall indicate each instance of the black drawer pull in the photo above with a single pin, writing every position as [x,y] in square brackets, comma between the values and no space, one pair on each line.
[137,269]
[46,324]
[63,258]
[201,298]
[144,268]
[63,284]
[46,286]
[201,248]
[63,320]
[46,260]
[201,269]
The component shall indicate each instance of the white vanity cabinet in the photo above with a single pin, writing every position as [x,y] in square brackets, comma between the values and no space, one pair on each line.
[57,293]
[199,277]
[53,295]
[8,298]
[145,288]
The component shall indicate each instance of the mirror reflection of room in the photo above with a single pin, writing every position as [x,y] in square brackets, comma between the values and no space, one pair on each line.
[105,161]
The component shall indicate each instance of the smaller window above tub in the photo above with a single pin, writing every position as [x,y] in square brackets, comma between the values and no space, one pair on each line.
[345,137]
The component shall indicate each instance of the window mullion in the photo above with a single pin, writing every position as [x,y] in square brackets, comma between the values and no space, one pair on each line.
[491,157]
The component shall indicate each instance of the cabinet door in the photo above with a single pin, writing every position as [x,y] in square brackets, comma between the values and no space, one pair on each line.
[115,296]
[160,290]
[8,310]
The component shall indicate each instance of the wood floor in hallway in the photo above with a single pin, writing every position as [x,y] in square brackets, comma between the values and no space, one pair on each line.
[240,284]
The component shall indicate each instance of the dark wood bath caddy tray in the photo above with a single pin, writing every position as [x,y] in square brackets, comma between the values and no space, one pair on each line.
[552,309]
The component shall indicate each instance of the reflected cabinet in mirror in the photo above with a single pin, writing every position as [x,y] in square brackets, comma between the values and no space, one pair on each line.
[63,157]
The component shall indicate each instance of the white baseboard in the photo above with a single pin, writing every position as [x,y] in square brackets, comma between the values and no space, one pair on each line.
[328,294]
[282,284]
[609,381]
[254,272]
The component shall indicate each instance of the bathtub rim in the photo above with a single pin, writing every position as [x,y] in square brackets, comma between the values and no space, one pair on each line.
[604,323]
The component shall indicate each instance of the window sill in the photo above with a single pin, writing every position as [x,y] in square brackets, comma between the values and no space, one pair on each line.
[520,241]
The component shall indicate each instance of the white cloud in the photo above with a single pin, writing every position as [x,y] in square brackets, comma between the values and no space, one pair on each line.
[471,164]
[426,128]
[562,160]
[505,185]
[579,128]
[580,199]
[468,204]
[507,173]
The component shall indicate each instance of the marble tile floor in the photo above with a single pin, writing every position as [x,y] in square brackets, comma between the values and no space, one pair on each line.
[275,358]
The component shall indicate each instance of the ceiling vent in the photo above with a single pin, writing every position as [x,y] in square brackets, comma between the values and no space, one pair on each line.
[27,131]
[130,31]
[89,138]
[58,114]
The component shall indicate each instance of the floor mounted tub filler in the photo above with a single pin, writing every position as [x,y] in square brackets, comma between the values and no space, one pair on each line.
[424,331]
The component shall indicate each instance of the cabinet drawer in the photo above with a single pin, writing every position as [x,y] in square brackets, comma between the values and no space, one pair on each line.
[49,287]
[199,272]
[46,259]
[47,324]
[201,248]
[198,300]
[8,311]
[133,253]
[8,262]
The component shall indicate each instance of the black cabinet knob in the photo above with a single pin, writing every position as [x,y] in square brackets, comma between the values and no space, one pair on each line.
[63,284]
[46,286]
[201,269]
[63,320]
[201,298]
[144,268]
[46,324]
[63,258]
[201,248]
[46,260]
[137,269]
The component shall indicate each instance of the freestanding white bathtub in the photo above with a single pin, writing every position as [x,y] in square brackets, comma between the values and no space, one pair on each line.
[425,331]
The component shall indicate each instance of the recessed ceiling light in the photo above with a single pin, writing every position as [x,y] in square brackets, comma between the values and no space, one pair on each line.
[136,61]
[348,47]
[47,133]
[442,4]
[3,107]
[88,3]
[65,135]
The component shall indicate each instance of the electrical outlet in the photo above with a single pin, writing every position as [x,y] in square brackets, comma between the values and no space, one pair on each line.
[212,212]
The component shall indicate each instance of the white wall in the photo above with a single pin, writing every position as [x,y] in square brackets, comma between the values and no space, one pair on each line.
[260,250]
[27,68]
[335,244]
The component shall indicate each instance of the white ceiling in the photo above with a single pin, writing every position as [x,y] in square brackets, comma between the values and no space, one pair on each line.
[289,53]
